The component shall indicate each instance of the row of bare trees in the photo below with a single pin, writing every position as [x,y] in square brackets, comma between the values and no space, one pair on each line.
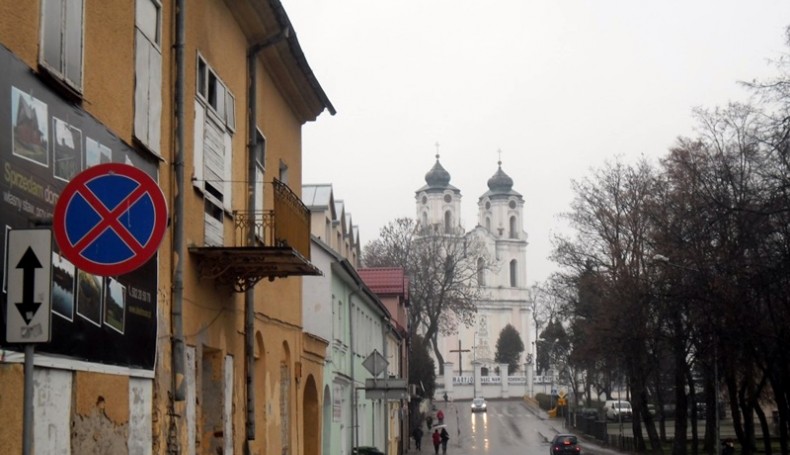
[681,272]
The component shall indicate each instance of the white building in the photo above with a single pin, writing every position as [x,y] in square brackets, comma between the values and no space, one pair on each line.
[500,228]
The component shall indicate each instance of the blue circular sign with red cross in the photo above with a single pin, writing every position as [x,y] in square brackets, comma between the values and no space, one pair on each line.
[110,219]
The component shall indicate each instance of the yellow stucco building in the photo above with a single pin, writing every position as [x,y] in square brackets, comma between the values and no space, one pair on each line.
[201,349]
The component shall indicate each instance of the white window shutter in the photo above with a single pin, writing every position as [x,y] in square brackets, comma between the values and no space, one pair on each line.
[200,121]
[141,82]
[228,175]
[155,100]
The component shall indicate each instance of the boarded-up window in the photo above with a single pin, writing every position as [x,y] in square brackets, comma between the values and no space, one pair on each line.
[148,74]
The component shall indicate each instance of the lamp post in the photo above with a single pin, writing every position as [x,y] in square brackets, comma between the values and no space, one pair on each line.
[717,437]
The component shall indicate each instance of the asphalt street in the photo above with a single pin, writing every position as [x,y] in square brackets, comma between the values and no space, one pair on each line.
[509,427]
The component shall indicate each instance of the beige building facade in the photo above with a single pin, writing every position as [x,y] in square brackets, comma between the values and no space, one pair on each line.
[201,349]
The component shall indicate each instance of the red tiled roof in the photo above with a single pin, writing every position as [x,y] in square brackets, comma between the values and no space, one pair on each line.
[385,280]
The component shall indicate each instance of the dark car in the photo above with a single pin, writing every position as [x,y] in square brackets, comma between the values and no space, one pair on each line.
[564,444]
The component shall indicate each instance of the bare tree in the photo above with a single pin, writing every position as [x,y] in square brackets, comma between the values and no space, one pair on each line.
[443,270]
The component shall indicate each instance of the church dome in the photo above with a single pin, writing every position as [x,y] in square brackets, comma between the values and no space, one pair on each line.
[500,182]
[437,176]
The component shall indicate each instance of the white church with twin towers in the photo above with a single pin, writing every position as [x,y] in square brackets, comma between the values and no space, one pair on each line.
[505,296]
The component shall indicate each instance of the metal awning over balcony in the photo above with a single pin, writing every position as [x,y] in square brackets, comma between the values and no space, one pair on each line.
[268,244]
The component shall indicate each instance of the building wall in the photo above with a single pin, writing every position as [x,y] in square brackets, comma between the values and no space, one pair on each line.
[117,410]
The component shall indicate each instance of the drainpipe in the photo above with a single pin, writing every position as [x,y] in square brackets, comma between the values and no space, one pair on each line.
[354,414]
[249,295]
[178,214]
[177,392]
[386,405]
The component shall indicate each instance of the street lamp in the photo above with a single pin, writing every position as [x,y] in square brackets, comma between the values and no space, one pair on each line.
[717,442]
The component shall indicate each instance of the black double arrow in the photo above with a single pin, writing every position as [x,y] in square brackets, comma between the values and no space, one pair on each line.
[27,307]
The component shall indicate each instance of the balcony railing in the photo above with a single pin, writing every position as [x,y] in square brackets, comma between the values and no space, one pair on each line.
[287,225]
[266,244]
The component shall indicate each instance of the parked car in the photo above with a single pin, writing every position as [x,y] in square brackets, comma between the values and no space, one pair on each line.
[618,409]
[564,444]
[479,404]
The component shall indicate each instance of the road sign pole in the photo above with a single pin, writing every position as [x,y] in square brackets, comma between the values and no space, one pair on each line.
[27,410]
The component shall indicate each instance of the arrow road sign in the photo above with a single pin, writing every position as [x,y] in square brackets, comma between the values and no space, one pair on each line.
[29,263]
[29,286]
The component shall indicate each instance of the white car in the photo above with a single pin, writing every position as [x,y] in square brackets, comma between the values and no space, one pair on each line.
[479,404]
[618,409]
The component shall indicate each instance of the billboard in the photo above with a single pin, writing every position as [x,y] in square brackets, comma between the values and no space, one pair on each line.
[45,141]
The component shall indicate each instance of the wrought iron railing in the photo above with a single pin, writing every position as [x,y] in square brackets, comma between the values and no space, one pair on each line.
[288,224]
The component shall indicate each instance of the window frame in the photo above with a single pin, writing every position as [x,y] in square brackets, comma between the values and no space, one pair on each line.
[222,106]
[61,74]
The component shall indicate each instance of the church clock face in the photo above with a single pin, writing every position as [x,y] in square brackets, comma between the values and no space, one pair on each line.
[447,198]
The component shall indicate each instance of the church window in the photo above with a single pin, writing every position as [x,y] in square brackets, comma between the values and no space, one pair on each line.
[513,270]
[481,276]
[513,233]
[424,199]
[488,224]
[488,205]
[448,198]
[448,222]
[424,219]
[512,204]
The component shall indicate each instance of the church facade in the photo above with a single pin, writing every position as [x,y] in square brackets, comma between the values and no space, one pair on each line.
[502,274]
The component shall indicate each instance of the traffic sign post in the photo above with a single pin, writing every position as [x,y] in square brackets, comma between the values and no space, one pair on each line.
[28,307]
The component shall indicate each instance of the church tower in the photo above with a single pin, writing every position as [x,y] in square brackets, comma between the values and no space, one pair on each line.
[500,227]
[439,203]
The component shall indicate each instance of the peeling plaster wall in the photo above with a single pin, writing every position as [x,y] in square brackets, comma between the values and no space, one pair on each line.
[100,422]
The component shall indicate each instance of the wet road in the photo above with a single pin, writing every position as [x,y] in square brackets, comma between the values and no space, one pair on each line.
[508,428]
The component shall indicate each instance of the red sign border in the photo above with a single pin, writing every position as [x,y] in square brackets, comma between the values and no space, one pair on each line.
[79,183]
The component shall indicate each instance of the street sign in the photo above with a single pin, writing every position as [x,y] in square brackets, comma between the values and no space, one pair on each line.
[389,389]
[375,363]
[28,308]
[110,219]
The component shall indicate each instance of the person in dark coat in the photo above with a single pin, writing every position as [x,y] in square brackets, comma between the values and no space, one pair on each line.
[417,435]
[444,436]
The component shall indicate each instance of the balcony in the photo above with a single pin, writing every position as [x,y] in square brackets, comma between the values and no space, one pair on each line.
[266,244]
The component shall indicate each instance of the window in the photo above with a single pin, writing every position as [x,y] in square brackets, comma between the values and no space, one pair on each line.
[448,220]
[424,220]
[513,233]
[488,224]
[513,271]
[61,40]
[283,172]
[213,92]
[481,266]
[148,73]
[448,198]
[259,156]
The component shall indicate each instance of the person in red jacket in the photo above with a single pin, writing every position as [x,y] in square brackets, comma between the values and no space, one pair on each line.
[440,416]
[437,441]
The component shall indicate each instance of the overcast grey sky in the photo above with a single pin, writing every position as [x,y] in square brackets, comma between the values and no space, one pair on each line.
[559,86]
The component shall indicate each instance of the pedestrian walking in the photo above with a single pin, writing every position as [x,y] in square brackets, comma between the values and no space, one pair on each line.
[437,441]
[429,421]
[417,435]
[444,436]
[729,448]
[440,416]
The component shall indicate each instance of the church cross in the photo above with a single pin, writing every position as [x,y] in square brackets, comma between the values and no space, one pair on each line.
[459,351]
